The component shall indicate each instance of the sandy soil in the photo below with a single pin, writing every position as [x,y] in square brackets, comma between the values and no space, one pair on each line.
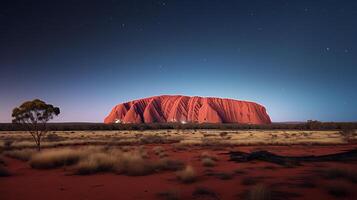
[301,182]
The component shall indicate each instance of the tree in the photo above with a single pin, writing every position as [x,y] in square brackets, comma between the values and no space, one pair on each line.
[34,115]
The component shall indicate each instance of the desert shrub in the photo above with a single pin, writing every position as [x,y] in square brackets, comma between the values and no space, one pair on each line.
[152,139]
[8,144]
[203,192]
[208,162]
[4,172]
[259,192]
[24,154]
[143,153]
[163,154]
[56,158]
[187,175]
[169,195]
[156,139]
[211,142]
[222,134]
[206,154]
[347,134]
[132,163]
[207,159]
[180,147]
[169,164]
[158,149]
[338,191]
[53,137]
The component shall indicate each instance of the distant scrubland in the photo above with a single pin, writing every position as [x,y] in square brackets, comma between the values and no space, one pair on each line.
[309,125]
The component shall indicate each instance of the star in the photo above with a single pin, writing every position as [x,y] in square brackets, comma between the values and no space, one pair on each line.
[346,50]
[328,49]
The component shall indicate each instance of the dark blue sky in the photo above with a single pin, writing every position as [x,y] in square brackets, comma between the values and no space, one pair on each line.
[297,58]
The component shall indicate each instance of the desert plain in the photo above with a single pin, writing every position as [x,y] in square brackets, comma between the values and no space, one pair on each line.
[175,164]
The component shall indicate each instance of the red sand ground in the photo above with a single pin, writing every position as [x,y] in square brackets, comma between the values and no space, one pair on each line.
[176,108]
[27,183]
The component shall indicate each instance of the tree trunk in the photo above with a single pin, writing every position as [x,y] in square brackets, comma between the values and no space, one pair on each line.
[39,144]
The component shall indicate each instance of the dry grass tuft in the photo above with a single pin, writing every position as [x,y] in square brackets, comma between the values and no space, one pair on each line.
[259,192]
[187,175]
[208,162]
[56,158]
[158,149]
[24,154]
[97,162]
[206,154]
[168,164]
[134,164]
[207,159]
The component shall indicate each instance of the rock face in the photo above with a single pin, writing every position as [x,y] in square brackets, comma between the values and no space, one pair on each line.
[168,108]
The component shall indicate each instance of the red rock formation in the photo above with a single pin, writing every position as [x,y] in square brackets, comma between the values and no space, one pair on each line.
[168,108]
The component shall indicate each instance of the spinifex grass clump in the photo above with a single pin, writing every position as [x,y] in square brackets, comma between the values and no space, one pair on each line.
[208,160]
[56,158]
[187,175]
[24,154]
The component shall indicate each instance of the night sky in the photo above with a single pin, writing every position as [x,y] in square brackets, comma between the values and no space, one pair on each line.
[297,58]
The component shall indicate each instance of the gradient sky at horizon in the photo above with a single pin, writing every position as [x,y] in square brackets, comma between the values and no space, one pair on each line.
[297,58]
